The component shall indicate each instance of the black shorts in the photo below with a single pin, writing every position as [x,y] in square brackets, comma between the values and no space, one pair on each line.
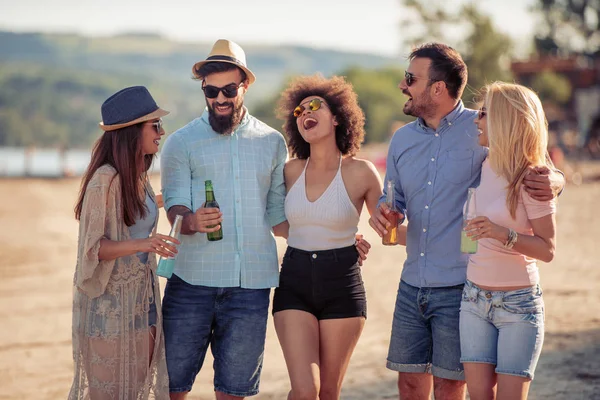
[326,283]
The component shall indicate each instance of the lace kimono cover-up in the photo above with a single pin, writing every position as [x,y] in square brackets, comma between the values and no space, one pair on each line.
[110,307]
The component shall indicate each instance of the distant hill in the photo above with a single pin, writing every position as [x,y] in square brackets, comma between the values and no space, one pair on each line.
[158,57]
[52,85]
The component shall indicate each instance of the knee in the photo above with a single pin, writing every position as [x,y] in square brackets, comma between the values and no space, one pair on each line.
[448,389]
[305,393]
[408,387]
[329,393]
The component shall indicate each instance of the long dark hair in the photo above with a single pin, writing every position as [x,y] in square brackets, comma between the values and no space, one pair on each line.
[122,150]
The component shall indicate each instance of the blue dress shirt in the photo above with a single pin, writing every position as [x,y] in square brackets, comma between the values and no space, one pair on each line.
[432,170]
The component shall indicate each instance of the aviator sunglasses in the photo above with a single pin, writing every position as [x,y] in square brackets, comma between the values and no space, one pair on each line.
[411,78]
[313,105]
[229,91]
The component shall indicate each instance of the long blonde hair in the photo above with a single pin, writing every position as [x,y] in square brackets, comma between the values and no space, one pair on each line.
[517,133]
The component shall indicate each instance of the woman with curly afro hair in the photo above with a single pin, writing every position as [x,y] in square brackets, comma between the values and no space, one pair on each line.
[319,307]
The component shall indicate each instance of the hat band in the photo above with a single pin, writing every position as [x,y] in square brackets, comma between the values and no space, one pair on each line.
[225,58]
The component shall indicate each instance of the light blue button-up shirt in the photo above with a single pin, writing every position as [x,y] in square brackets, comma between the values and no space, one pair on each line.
[246,170]
[433,170]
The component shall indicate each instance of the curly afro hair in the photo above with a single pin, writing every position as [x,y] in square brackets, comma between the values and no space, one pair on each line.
[343,103]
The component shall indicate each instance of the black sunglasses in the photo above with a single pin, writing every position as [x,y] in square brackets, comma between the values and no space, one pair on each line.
[411,78]
[482,113]
[313,105]
[229,91]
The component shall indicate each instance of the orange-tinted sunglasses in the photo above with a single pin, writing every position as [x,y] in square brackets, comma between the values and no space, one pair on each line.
[313,105]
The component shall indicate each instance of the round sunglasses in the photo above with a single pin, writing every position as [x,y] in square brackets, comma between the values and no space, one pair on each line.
[313,105]
[229,91]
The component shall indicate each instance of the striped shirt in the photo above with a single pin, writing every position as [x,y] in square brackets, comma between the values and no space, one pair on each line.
[246,170]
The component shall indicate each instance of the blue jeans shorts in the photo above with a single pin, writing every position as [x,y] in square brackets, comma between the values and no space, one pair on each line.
[232,320]
[425,337]
[503,328]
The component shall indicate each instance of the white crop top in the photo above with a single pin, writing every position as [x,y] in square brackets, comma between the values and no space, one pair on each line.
[330,222]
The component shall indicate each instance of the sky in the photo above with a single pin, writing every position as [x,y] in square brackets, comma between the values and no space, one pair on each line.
[369,26]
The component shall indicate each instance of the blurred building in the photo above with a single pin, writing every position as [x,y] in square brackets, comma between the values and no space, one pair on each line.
[583,73]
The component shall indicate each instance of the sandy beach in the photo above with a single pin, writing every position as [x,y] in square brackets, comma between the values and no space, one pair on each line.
[38,240]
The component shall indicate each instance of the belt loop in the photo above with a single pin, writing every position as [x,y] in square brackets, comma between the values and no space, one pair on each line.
[335,255]
[291,253]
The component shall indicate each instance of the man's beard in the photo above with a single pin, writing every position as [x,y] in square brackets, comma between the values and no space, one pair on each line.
[225,124]
[425,107]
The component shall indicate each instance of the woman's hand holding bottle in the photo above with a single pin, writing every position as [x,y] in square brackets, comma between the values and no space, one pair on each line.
[163,245]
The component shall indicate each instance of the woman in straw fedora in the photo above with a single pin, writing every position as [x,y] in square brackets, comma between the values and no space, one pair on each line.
[118,346]
[502,309]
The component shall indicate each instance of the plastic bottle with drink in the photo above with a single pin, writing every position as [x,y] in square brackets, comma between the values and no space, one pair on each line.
[468,245]
[391,237]
[166,265]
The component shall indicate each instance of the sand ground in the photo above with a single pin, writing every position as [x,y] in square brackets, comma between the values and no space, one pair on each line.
[38,238]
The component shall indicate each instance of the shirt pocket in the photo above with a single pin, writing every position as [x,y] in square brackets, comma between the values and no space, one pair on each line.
[458,166]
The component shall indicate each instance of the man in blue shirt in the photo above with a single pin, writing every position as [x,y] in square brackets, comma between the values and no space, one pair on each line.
[433,161]
[219,292]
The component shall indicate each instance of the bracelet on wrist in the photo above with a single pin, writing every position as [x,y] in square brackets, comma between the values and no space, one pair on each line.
[512,239]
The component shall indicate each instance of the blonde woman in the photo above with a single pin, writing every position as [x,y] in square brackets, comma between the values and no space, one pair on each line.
[502,311]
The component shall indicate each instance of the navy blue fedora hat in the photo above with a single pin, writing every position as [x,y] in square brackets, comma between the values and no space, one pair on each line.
[128,107]
[228,52]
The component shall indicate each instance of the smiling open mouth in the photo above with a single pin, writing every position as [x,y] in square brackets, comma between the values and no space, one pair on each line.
[223,108]
[309,123]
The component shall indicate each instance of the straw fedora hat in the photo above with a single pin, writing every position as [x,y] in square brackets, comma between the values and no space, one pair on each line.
[128,107]
[229,52]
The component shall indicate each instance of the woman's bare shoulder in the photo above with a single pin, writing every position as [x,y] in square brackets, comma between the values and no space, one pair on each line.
[360,167]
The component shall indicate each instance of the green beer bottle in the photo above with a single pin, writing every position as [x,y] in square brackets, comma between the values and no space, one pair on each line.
[210,203]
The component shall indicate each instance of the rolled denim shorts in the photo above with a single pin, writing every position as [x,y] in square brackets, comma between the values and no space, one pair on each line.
[502,328]
[425,336]
[232,320]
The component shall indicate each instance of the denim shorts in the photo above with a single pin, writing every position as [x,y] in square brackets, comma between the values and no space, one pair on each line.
[425,337]
[109,323]
[505,329]
[326,283]
[232,320]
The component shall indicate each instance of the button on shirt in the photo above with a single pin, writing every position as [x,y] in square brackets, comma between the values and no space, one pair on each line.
[433,170]
[246,170]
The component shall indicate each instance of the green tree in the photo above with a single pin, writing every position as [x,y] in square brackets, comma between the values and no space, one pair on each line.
[552,87]
[568,26]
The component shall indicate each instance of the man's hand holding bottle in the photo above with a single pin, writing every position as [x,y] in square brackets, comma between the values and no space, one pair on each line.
[207,219]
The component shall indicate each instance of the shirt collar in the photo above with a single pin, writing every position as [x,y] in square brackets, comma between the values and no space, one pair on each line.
[447,120]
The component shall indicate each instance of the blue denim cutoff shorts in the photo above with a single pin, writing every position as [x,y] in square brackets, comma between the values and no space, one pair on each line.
[503,328]
[232,320]
[425,335]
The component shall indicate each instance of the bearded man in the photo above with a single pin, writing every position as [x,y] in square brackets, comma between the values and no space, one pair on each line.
[219,291]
